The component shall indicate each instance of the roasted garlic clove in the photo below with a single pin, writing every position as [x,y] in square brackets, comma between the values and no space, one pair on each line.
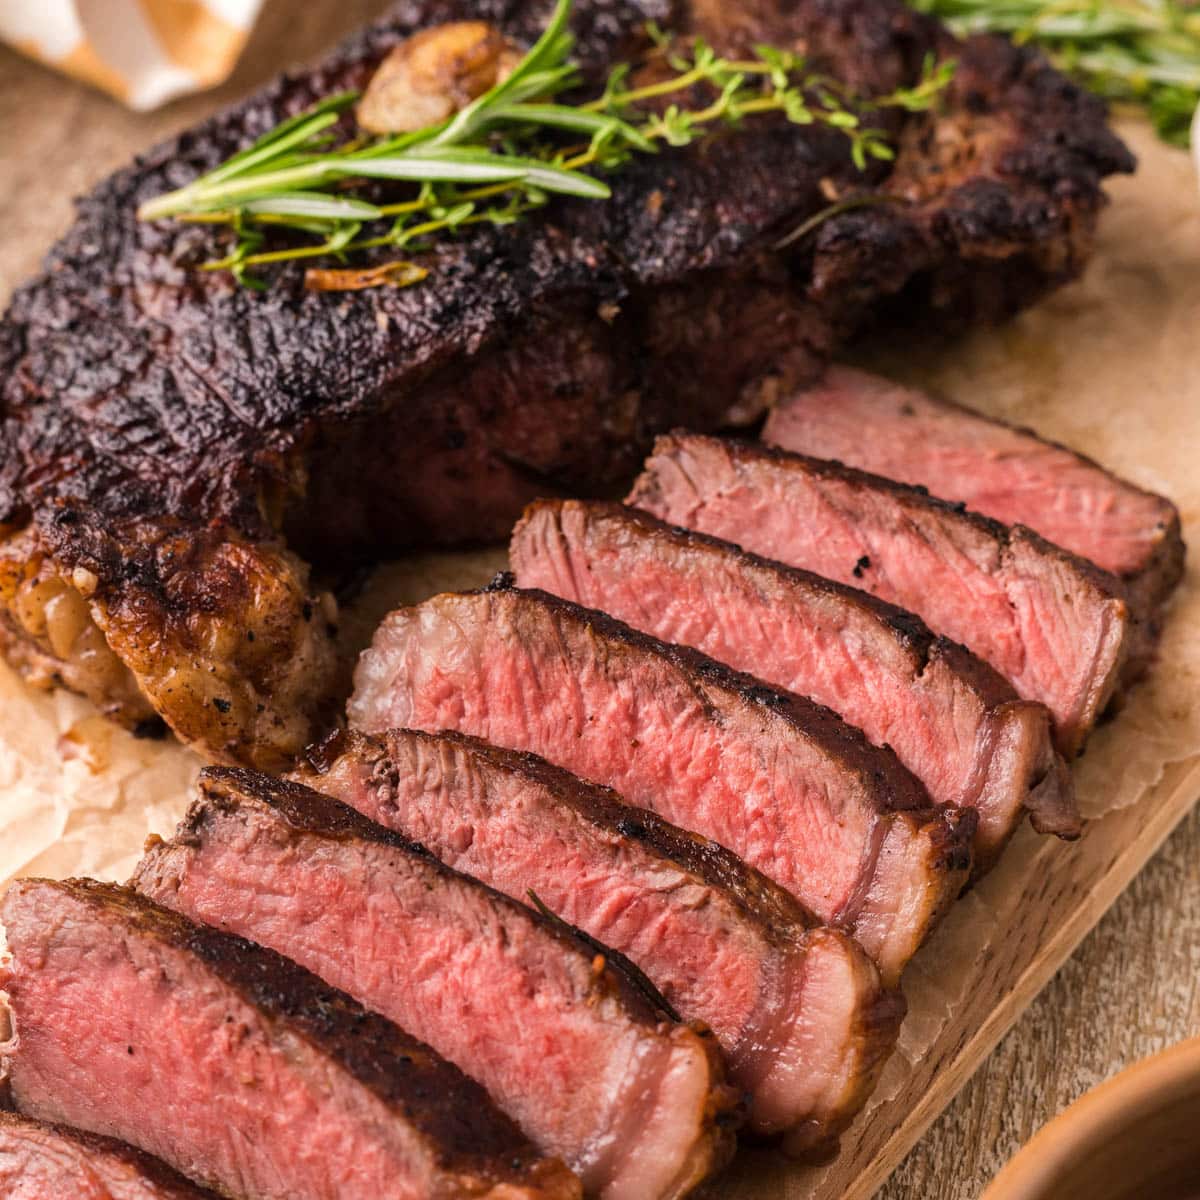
[433,74]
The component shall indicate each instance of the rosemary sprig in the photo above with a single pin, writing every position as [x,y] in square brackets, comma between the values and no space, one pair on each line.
[1145,52]
[505,154]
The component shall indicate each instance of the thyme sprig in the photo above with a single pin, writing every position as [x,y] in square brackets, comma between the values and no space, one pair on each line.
[1145,52]
[506,153]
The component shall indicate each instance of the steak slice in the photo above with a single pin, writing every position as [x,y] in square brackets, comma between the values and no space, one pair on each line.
[777,779]
[237,1067]
[995,468]
[175,450]
[51,1162]
[952,721]
[569,1047]
[1055,626]
[797,1009]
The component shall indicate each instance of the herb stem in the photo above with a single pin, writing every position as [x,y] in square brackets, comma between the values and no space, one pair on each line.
[650,91]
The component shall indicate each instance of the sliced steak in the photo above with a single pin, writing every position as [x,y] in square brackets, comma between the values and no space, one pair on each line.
[1055,626]
[237,1067]
[997,469]
[568,1046]
[798,1009]
[779,780]
[51,1162]
[952,721]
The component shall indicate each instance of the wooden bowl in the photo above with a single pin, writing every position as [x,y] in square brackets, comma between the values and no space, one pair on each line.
[1135,1137]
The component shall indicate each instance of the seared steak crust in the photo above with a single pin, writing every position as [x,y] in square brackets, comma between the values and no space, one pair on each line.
[797,1008]
[144,401]
[440,1114]
[52,1162]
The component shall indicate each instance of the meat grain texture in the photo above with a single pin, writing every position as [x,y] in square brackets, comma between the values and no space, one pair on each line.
[566,1043]
[797,1008]
[212,1053]
[952,721]
[176,451]
[1056,627]
[782,782]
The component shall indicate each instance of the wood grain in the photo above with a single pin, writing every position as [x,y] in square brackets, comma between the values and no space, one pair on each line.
[1130,988]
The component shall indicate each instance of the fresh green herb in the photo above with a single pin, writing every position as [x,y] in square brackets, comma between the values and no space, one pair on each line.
[506,153]
[1145,52]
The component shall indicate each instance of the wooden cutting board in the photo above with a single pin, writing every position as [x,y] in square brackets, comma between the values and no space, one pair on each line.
[1110,365]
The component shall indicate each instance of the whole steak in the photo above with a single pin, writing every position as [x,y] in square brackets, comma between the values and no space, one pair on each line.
[175,449]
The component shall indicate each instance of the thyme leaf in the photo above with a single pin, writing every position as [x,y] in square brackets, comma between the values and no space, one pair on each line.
[505,154]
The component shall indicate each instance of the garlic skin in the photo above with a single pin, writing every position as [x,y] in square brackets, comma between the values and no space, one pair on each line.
[433,74]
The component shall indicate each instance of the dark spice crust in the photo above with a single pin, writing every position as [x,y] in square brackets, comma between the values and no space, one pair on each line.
[178,392]
[172,1185]
[450,1111]
[228,789]
[140,398]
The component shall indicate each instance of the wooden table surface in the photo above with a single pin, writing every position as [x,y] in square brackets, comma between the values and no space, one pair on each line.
[1129,990]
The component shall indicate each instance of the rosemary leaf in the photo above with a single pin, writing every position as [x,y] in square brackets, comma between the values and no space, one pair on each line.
[315,204]
[330,105]
[565,182]
[303,132]
[437,168]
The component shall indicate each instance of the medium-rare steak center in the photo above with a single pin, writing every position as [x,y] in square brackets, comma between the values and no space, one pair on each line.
[779,780]
[210,1053]
[995,468]
[561,1039]
[52,1162]
[955,723]
[1057,627]
[798,1010]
